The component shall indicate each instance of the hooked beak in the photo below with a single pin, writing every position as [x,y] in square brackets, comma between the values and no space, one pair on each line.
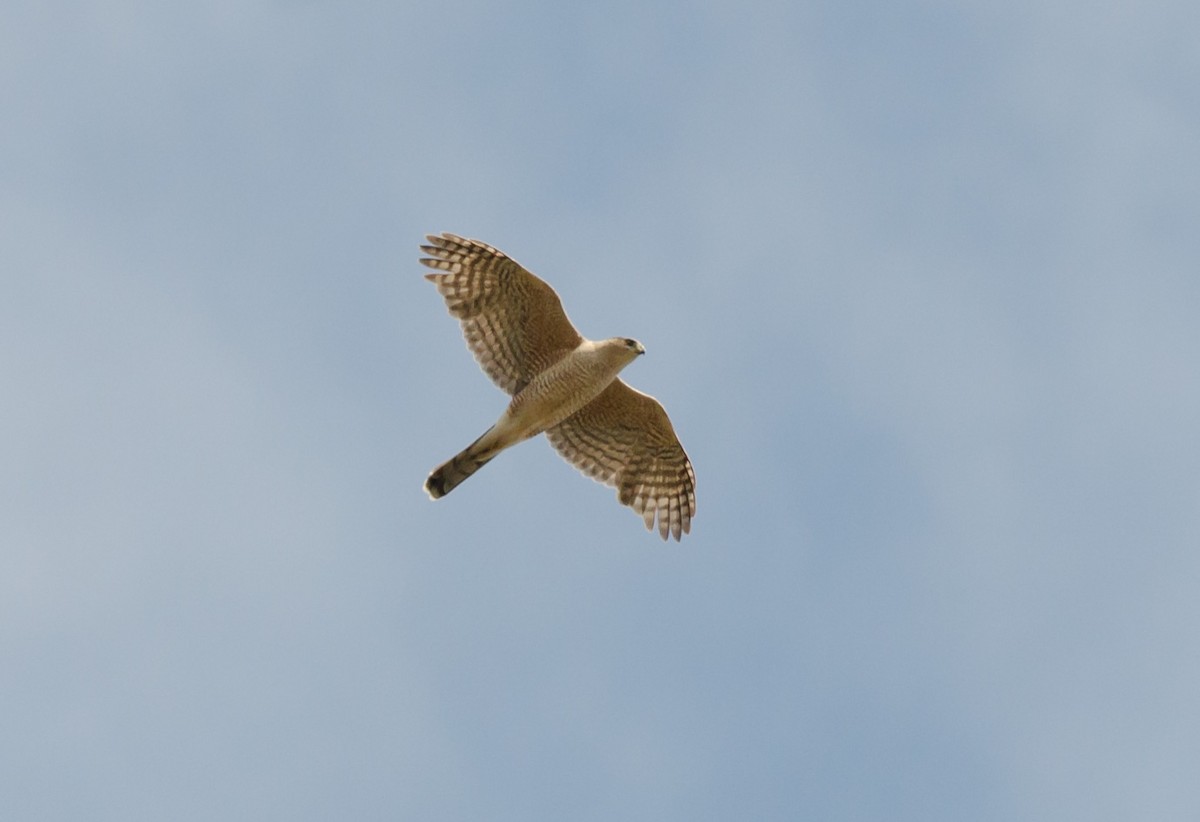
[641,349]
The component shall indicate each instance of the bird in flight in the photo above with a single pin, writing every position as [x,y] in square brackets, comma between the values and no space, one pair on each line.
[561,384]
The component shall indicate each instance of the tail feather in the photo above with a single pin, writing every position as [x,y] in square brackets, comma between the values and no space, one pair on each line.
[447,476]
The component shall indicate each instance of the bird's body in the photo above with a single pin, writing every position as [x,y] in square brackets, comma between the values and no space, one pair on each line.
[561,384]
[550,397]
[569,384]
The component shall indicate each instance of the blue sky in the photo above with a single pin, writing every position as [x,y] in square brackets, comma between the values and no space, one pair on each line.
[918,284]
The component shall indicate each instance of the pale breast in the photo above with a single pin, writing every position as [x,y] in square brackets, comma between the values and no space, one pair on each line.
[561,390]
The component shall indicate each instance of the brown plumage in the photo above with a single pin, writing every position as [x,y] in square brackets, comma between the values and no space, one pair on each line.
[561,384]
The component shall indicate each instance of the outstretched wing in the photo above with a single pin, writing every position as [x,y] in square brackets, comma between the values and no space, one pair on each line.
[514,323]
[624,438]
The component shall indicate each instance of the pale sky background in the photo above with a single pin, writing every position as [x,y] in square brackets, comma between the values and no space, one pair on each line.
[920,286]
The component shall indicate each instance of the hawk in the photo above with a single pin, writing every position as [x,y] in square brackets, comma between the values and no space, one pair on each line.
[561,384]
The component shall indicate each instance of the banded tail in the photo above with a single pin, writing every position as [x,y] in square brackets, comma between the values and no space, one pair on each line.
[450,474]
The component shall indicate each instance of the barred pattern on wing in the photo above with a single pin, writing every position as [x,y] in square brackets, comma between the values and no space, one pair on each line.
[513,322]
[624,438]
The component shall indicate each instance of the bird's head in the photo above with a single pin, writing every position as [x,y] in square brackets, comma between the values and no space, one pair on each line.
[618,351]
